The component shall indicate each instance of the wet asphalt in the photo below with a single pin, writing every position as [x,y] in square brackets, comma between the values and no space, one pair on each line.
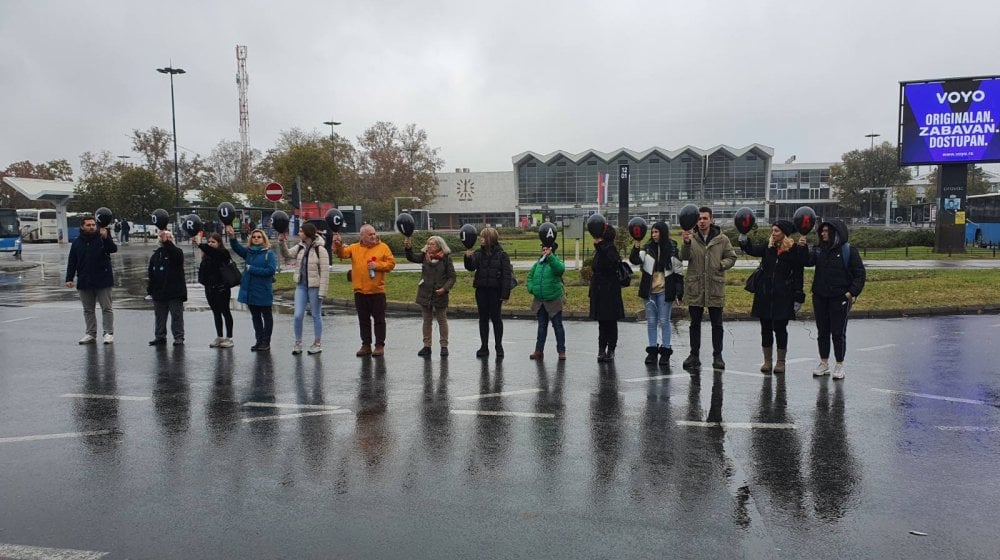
[193,452]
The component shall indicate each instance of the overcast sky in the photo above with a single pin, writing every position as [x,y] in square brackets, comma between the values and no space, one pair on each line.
[805,77]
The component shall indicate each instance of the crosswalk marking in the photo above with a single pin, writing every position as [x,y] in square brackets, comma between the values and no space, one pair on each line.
[41,437]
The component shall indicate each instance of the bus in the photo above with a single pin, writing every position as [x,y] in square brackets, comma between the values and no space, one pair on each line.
[982,220]
[38,224]
[10,231]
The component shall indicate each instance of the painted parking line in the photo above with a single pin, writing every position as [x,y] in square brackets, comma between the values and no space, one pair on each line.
[968,428]
[745,373]
[934,397]
[874,348]
[494,395]
[20,319]
[800,360]
[107,397]
[745,425]
[996,326]
[18,552]
[292,406]
[52,436]
[296,415]
[656,377]
[503,413]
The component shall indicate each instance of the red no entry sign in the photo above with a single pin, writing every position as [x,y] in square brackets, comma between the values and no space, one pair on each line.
[273,192]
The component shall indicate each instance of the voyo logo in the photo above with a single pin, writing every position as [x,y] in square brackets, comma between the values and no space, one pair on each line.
[958,96]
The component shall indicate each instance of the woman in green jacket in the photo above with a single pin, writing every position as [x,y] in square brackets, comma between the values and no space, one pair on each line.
[546,285]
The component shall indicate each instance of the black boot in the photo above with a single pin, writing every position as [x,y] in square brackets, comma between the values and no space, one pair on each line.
[692,361]
[665,353]
[651,354]
[609,356]
[601,356]
[717,362]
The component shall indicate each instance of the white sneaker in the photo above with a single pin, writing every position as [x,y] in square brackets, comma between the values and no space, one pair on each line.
[821,370]
[297,349]
[109,338]
[216,343]
[87,339]
[315,349]
[226,343]
[838,371]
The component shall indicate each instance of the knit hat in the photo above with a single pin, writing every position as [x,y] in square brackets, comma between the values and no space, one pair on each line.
[785,226]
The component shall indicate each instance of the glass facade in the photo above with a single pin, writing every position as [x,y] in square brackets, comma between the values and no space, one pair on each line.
[800,184]
[658,181]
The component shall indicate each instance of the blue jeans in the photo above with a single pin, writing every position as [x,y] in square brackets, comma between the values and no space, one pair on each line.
[543,330]
[304,295]
[658,315]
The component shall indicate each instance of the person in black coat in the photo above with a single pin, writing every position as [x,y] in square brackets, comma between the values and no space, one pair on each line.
[777,290]
[214,257]
[166,285]
[90,263]
[492,283]
[839,279]
[606,305]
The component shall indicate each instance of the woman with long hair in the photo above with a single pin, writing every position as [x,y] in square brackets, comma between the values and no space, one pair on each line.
[311,277]
[660,287]
[437,278]
[215,257]
[492,283]
[256,291]
[777,290]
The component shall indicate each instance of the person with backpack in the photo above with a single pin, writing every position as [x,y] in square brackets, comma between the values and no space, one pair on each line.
[838,281]
[437,278]
[660,287]
[214,258]
[311,278]
[776,290]
[709,254]
[168,288]
[493,282]
[606,305]
[256,290]
[545,283]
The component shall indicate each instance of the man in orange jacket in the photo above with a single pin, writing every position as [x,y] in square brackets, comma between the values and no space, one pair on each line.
[370,260]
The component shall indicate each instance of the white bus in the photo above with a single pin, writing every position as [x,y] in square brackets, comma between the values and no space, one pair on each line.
[38,224]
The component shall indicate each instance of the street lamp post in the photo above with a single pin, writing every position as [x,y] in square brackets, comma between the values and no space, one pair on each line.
[173,117]
[396,199]
[871,195]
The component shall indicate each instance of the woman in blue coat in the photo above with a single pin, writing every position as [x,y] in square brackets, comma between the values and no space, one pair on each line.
[256,291]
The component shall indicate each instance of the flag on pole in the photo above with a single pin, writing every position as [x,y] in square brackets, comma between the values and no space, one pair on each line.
[602,188]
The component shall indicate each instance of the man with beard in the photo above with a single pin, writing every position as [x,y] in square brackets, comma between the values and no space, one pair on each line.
[90,263]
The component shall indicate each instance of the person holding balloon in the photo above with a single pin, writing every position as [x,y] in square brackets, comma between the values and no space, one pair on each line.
[166,284]
[214,258]
[777,288]
[311,277]
[371,259]
[661,286]
[492,283]
[545,283]
[437,278]
[709,254]
[89,264]
[256,291]
[606,304]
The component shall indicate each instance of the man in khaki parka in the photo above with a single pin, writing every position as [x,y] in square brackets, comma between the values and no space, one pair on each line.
[709,254]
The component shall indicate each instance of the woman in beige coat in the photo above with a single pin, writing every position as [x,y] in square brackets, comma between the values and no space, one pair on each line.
[312,276]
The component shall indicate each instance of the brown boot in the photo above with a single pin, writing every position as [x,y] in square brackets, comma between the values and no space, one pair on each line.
[536,355]
[366,350]
[766,367]
[379,350]
[779,365]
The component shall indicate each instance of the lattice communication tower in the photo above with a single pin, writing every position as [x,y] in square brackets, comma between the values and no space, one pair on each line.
[241,82]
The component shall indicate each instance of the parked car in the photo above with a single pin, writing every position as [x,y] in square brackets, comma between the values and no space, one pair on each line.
[143,230]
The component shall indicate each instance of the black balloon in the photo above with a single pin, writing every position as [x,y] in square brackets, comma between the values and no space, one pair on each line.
[804,219]
[744,220]
[468,235]
[405,224]
[191,224]
[160,218]
[104,217]
[227,213]
[279,221]
[688,217]
[637,228]
[596,225]
[547,234]
[334,220]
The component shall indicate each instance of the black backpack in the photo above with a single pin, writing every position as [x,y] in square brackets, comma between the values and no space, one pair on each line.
[624,274]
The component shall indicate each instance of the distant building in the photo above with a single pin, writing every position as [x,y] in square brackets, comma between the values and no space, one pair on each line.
[802,184]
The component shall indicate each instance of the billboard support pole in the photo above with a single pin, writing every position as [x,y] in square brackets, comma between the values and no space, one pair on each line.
[953,179]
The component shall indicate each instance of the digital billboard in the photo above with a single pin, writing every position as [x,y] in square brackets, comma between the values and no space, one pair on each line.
[949,121]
